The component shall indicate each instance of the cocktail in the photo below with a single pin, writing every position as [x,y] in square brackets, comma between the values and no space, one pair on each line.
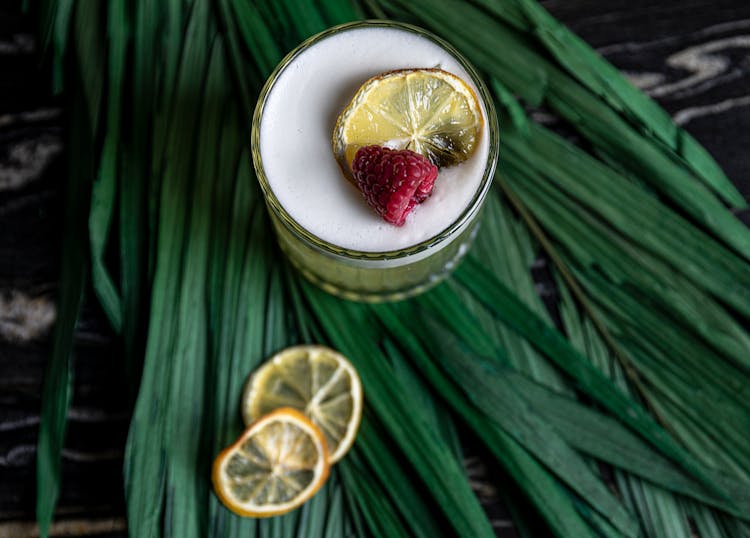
[323,223]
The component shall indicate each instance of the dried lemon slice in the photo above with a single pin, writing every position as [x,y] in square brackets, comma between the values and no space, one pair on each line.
[429,111]
[315,380]
[274,467]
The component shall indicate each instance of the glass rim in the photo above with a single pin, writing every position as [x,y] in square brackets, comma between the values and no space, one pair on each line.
[302,233]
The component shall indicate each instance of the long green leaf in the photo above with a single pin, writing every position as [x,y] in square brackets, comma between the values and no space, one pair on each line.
[105,187]
[185,496]
[635,215]
[660,512]
[549,498]
[498,399]
[605,439]
[146,455]
[583,63]
[57,389]
[504,305]
[432,461]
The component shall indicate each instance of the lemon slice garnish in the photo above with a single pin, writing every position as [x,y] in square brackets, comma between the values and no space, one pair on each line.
[318,382]
[276,465]
[429,111]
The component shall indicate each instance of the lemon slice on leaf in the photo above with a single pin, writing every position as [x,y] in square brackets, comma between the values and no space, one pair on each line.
[429,111]
[318,382]
[276,465]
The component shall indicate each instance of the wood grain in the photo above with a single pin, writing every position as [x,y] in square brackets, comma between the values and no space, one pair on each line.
[692,56]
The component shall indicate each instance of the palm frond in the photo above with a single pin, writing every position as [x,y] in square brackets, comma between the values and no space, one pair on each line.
[162,96]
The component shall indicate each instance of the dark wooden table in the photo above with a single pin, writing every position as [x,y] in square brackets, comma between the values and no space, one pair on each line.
[693,56]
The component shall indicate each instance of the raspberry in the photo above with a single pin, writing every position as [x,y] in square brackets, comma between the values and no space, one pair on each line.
[393,181]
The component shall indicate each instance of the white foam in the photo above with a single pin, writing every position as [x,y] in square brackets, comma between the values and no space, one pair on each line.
[295,141]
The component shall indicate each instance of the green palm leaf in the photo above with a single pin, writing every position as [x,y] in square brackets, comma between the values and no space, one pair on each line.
[162,95]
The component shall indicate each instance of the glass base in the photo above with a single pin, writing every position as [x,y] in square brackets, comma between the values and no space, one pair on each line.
[374,281]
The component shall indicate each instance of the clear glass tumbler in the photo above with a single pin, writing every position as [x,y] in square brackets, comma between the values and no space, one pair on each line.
[376,276]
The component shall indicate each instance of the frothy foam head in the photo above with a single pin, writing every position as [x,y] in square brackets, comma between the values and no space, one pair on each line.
[295,140]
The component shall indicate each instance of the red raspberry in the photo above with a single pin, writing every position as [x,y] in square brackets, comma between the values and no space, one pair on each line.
[393,181]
